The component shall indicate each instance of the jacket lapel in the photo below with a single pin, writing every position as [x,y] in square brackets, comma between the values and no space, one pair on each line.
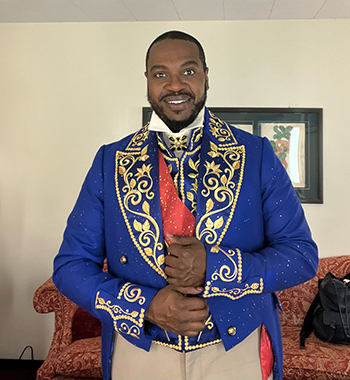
[219,181]
[136,182]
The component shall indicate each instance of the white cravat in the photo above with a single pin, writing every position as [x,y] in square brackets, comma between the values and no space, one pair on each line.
[175,141]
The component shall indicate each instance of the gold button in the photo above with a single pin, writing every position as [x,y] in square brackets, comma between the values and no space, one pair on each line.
[231,331]
[123,260]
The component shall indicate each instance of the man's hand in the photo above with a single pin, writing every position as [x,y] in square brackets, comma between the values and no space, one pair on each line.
[172,311]
[186,264]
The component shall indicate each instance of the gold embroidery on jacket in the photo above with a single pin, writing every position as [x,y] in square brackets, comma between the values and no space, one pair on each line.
[192,194]
[209,325]
[177,347]
[233,293]
[221,188]
[227,273]
[183,344]
[139,138]
[220,130]
[224,272]
[119,314]
[195,137]
[202,345]
[194,166]
[136,190]
[131,293]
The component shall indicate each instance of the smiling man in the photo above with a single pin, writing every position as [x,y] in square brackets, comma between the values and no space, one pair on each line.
[200,226]
[177,81]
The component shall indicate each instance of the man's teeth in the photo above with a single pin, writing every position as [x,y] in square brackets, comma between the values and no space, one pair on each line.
[176,101]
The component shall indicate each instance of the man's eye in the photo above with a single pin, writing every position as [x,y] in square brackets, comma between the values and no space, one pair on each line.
[159,75]
[189,72]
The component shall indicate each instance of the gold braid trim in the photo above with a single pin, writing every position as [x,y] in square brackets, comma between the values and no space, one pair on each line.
[202,345]
[177,347]
[234,293]
[119,314]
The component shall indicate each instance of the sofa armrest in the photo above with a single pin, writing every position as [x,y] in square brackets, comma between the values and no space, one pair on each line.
[295,302]
[48,299]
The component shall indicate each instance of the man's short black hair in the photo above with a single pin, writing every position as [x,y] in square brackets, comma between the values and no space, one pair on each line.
[177,35]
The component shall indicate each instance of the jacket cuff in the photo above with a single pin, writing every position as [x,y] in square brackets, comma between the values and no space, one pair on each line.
[224,275]
[127,311]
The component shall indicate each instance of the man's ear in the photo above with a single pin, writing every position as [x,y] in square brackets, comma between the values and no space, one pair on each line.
[146,74]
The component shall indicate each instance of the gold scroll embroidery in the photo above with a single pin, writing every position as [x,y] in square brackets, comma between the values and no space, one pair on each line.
[131,293]
[224,273]
[234,293]
[231,273]
[220,130]
[194,165]
[209,324]
[124,316]
[138,139]
[137,184]
[192,194]
[221,188]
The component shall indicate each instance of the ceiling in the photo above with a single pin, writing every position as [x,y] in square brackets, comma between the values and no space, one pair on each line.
[170,10]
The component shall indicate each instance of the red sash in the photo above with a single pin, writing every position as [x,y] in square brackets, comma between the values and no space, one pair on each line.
[177,219]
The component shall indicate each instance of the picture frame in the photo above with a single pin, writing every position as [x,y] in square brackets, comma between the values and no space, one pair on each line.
[295,135]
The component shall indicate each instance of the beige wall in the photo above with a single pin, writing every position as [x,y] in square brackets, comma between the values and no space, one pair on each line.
[65,89]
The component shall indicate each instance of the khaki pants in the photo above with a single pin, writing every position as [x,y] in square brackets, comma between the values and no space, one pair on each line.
[210,363]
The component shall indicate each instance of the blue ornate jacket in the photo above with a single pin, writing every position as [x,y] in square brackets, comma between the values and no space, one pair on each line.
[247,215]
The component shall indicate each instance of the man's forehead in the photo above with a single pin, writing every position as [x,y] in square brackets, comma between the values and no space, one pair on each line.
[170,50]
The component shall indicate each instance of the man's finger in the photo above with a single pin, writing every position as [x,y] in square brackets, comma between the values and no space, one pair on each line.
[170,272]
[196,304]
[171,260]
[182,240]
[190,290]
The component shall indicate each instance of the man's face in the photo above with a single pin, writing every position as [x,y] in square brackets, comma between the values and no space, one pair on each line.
[176,82]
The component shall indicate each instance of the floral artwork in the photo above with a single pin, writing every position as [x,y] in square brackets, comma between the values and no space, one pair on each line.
[288,142]
[280,142]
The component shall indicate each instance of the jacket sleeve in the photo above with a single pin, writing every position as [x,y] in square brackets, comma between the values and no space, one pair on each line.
[289,255]
[78,266]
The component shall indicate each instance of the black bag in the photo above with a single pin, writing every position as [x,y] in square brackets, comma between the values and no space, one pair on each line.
[20,369]
[329,313]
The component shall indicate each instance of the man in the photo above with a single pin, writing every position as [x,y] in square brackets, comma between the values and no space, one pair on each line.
[200,226]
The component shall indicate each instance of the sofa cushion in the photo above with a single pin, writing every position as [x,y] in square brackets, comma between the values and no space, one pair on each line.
[297,300]
[81,359]
[295,303]
[84,325]
[319,360]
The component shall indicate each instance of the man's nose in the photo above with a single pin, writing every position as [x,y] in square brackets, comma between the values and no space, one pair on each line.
[175,83]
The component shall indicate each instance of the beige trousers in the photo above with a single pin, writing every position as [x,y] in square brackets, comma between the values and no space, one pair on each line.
[210,363]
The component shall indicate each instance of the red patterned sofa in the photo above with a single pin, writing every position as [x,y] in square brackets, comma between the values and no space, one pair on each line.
[75,351]
[319,360]
[76,345]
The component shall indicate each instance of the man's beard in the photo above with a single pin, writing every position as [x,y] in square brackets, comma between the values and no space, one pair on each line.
[177,125]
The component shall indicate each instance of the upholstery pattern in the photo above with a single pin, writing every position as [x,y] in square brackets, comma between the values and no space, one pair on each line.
[68,357]
[74,354]
[81,359]
[319,360]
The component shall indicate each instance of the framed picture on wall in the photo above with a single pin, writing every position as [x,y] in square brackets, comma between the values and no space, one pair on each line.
[295,135]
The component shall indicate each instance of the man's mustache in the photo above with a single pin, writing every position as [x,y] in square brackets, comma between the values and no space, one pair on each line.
[181,93]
